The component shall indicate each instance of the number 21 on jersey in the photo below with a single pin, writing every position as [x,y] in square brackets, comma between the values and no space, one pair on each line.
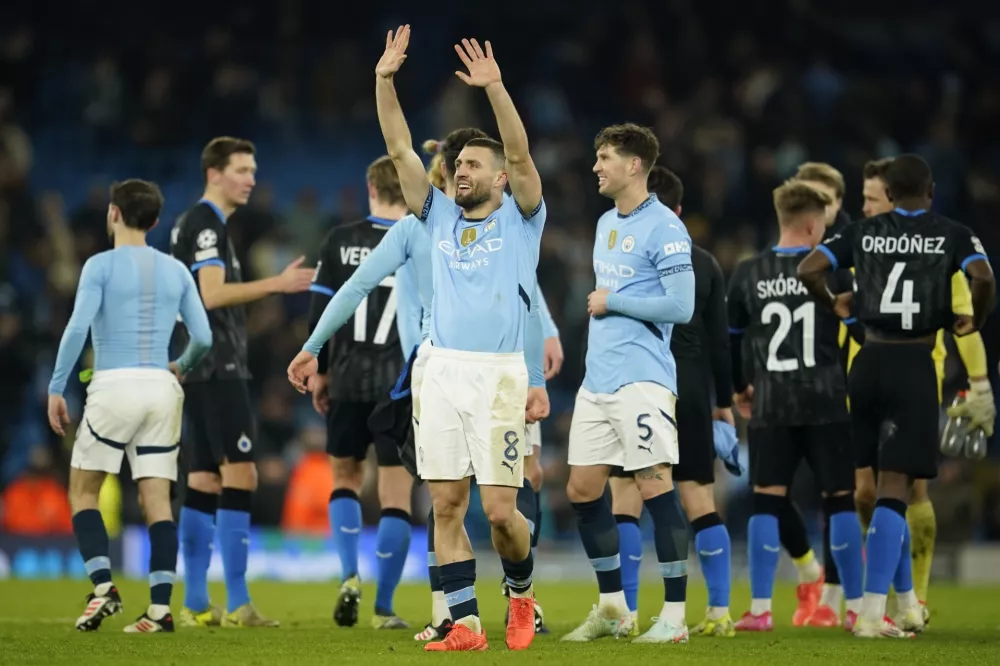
[804,314]
[384,322]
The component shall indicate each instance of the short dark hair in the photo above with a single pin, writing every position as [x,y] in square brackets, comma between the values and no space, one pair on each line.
[666,185]
[218,151]
[876,168]
[452,145]
[909,176]
[630,139]
[381,175]
[139,201]
[493,145]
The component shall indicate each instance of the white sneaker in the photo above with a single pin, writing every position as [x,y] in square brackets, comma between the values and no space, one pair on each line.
[602,621]
[885,629]
[664,631]
[912,619]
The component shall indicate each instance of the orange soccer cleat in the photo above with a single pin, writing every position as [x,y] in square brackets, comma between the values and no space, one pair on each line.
[824,617]
[809,595]
[460,639]
[521,625]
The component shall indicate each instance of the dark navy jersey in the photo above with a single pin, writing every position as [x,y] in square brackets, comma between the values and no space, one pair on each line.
[364,357]
[903,263]
[199,239]
[793,342]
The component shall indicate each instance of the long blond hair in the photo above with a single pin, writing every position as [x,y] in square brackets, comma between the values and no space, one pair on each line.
[433,147]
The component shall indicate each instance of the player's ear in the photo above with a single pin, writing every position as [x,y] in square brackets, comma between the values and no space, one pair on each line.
[888,195]
[153,226]
[371,191]
[930,191]
[677,211]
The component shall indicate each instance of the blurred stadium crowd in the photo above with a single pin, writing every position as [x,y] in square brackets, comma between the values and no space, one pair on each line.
[106,91]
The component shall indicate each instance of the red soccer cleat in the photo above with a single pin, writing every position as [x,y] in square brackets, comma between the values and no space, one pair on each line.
[850,619]
[521,623]
[824,618]
[751,622]
[809,595]
[460,639]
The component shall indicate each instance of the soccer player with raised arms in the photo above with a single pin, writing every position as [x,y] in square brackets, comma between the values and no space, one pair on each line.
[484,252]
[624,414]
[128,299]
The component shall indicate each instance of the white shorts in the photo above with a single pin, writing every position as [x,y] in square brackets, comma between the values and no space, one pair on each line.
[632,428]
[134,411]
[472,417]
[416,379]
[533,431]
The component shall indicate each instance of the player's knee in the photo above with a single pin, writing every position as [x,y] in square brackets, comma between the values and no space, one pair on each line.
[154,498]
[500,511]
[533,472]
[697,499]
[205,482]
[84,489]
[654,481]
[240,476]
[348,473]
[864,498]
[625,498]
[395,486]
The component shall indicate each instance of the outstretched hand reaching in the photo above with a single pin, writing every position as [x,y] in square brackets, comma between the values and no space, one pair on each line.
[483,69]
[395,52]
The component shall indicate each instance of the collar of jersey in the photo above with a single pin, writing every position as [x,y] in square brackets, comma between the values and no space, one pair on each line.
[215,209]
[909,213]
[649,200]
[381,220]
[796,249]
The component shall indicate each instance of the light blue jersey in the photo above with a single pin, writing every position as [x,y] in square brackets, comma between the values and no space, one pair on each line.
[644,260]
[484,274]
[406,251]
[129,299]
[549,328]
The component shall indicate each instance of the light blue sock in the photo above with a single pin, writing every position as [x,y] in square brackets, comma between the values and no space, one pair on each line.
[764,549]
[391,546]
[345,523]
[845,546]
[714,553]
[630,548]
[233,520]
[197,532]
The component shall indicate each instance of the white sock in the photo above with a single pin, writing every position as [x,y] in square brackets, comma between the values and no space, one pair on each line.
[873,607]
[613,599]
[673,612]
[760,606]
[522,595]
[906,600]
[717,612]
[157,611]
[102,589]
[809,572]
[439,608]
[472,622]
[854,605]
[833,595]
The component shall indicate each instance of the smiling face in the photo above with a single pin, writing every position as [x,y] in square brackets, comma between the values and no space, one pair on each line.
[479,175]
[615,170]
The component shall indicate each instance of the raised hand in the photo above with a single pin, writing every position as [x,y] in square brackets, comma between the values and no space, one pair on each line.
[395,52]
[483,69]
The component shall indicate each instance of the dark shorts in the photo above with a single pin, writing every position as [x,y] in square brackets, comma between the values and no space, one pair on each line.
[392,419]
[349,436]
[695,445]
[219,424]
[894,409]
[776,451]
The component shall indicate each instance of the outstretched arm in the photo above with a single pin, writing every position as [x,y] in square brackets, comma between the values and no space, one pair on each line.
[525,183]
[398,142]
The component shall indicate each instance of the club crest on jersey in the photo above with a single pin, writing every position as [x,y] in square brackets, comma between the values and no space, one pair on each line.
[612,237]
[207,238]
[628,243]
[243,443]
[468,237]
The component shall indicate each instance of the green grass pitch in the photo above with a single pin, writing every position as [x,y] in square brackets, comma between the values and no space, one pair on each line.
[36,627]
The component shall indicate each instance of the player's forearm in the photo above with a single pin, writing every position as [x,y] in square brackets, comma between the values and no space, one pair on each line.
[231,294]
[534,349]
[200,331]
[983,290]
[512,132]
[675,307]
[398,140]
[70,347]
[973,353]
[336,313]
[196,350]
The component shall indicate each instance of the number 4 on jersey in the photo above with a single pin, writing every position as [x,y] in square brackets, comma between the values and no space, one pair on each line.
[384,322]
[906,307]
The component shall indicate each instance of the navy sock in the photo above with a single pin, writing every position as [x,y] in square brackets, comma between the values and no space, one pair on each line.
[527,504]
[885,535]
[630,547]
[162,561]
[764,544]
[433,572]
[197,532]
[711,540]
[670,534]
[92,537]
[345,523]
[392,543]
[599,535]
[792,529]
[518,574]
[458,580]
[846,544]
[234,542]
[538,519]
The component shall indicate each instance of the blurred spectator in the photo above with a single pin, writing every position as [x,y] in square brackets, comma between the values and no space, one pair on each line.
[36,503]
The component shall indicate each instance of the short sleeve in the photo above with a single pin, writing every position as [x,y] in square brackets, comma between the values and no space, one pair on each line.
[204,237]
[670,249]
[967,248]
[839,249]
[437,207]
[736,310]
[322,282]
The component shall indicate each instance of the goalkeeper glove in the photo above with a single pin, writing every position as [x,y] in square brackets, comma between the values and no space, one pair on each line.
[978,407]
